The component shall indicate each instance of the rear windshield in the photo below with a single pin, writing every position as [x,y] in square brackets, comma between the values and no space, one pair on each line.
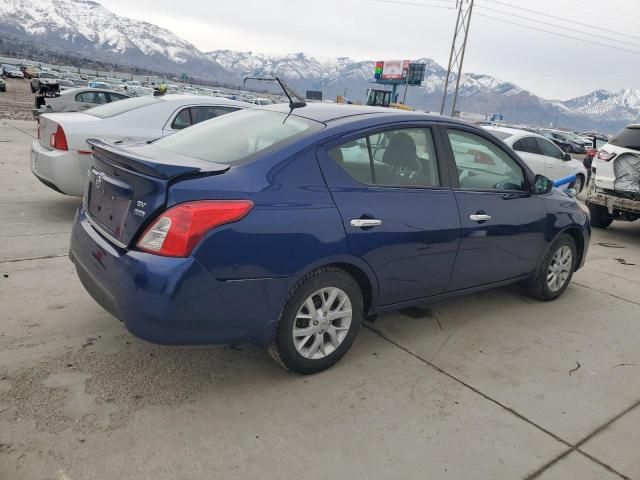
[236,136]
[628,137]
[116,108]
[500,135]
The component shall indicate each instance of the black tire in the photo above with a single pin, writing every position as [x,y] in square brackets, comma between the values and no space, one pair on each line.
[538,286]
[600,217]
[566,148]
[282,347]
[580,181]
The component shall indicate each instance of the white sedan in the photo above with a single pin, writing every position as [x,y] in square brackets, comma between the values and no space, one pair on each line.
[60,157]
[541,155]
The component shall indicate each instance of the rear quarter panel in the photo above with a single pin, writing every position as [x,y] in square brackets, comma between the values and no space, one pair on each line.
[293,227]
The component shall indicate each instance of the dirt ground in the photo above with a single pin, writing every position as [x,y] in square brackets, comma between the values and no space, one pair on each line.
[17,102]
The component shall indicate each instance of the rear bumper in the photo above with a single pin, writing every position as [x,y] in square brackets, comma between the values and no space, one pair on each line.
[174,300]
[66,170]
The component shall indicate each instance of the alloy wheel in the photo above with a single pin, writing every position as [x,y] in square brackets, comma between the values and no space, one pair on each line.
[322,323]
[559,268]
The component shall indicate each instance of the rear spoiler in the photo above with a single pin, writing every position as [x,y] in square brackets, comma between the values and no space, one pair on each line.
[147,159]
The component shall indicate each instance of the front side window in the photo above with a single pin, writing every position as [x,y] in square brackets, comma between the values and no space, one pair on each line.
[404,158]
[482,165]
[549,149]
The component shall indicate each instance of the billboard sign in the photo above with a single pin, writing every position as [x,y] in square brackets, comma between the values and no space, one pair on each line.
[394,69]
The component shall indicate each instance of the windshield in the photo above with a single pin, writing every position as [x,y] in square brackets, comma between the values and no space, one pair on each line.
[116,108]
[237,136]
[47,75]
[628,137]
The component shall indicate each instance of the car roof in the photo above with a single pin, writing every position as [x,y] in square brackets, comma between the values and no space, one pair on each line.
[189,99]
[70,91]
[327,112]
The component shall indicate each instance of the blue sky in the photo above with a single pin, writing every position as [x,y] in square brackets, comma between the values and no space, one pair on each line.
[549,65]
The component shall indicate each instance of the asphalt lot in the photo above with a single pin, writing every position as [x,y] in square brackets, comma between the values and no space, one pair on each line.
[492,386]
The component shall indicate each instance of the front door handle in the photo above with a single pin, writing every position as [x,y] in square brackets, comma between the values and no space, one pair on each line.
[480,217]
[365,222]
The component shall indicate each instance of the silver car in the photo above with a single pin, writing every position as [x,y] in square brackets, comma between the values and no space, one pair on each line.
[78,99]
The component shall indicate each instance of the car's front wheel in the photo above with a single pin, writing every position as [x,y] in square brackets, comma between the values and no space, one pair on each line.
[319,321]
[578,184]
[554,273]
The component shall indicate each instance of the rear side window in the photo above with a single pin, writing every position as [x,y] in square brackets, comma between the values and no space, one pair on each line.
[98,98]
[192,115]
[403,158]
[527,145]
[628,137]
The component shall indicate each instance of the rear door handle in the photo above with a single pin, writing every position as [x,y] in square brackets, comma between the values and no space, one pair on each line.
[480,217]
[365,222]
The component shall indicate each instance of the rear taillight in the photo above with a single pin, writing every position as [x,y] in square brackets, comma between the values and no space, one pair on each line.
[606,156]
[38,129]
[176,232]
[58,140]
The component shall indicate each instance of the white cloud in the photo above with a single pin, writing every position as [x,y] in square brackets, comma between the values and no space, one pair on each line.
[548,65]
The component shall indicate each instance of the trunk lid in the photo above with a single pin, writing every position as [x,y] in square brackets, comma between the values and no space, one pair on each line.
[70,122]
[128,185]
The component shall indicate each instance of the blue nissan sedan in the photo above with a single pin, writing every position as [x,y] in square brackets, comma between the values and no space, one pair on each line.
[286,228]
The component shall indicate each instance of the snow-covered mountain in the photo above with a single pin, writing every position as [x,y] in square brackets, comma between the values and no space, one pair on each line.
[87,29]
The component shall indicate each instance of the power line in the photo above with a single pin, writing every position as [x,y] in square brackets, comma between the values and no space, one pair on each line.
[542,22]
[544,14]
[559,34]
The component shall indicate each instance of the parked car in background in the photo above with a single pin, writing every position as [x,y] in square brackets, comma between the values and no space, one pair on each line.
[98,84]
[44,80]
[78,99]
[541,155]
[566,143]
[286,228]
[11,71]
[3,85]
[260,101]
[614,192]
[66,84]
[30,72]
[60,156]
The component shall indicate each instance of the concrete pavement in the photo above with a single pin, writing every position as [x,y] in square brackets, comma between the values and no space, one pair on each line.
[492,386]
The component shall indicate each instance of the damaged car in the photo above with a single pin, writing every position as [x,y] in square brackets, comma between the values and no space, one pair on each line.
[614,192]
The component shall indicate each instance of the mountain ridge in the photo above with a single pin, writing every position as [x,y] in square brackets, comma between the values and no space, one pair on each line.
[87,28]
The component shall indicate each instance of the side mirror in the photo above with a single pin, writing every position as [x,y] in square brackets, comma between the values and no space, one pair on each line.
[567,157]
[541,185]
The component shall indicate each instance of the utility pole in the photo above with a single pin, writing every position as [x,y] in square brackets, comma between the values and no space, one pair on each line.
[458,47]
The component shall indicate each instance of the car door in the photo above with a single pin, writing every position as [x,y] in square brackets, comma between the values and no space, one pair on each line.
[502,223]
[399,215]
[555,164]
[529,151]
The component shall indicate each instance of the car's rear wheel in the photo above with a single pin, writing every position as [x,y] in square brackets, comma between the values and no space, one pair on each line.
[319,321]
[554,273]
[566,148]
[600,217]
